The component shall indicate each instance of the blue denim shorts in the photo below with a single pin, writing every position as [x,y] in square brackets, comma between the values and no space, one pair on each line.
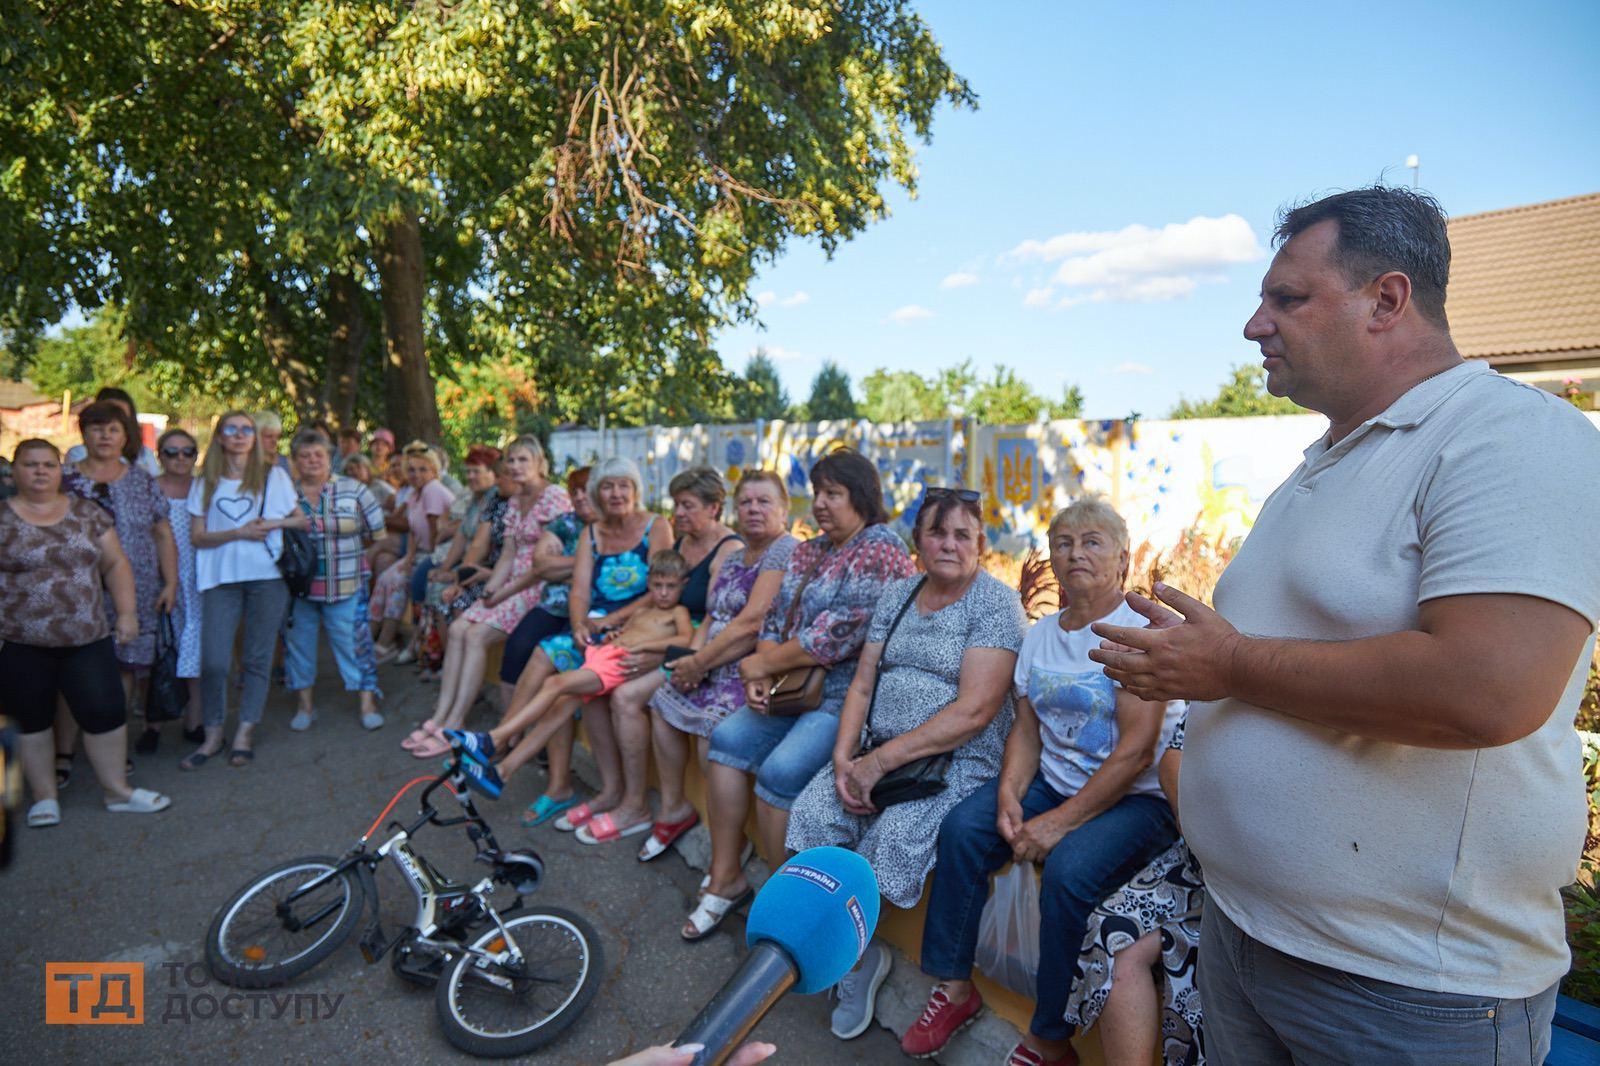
[784,754]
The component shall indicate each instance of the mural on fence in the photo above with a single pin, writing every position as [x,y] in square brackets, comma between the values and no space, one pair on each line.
[1164,477]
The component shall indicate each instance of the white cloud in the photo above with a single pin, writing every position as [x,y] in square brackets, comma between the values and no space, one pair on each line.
[909,313]
[959,280]
[1130,367]
[777,353]
[772,299]
[1139,264]
[1038,297]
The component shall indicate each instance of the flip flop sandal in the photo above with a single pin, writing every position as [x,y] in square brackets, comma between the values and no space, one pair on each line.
[574,819]
[241,757]
[44,814]
[663,835]
[710,912]
[143,801]
[197,759]
[415,737]
[431,748]
[543,809]
[602,829]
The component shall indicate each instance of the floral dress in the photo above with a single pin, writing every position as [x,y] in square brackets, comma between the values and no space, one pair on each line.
[186,619]
[619,579]
[920,673]
[1167,895]
[137,505]
[721,693]
[494,513]
[524,529]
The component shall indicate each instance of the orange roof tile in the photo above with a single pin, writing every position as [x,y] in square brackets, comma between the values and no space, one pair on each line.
[1525,281]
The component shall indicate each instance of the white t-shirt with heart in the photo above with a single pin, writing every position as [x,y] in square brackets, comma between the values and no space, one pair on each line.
[240,560]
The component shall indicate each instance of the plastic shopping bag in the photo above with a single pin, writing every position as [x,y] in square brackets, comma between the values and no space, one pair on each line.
[1008,932]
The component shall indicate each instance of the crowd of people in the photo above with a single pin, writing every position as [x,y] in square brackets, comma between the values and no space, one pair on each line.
[1398,743]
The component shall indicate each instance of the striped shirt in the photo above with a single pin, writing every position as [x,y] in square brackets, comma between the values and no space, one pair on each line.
[346,513]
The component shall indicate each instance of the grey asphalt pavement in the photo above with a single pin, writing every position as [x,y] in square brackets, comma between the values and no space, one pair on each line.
[117,887]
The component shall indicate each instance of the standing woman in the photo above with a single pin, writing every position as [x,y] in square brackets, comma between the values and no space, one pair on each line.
[58,554]
[236,509]
[139,510]
[537,502]
[341,517]
[178,452]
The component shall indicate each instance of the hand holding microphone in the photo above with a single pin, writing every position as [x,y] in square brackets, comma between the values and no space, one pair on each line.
[808,926]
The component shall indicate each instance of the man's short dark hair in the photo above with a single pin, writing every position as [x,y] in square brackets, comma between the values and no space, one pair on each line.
[853,472]
[1383,229]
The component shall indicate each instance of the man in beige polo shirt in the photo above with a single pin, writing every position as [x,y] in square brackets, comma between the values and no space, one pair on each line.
[1383,783]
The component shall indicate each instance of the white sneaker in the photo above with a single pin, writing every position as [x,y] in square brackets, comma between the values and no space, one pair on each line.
[409,655]
[302,721]
[858,993]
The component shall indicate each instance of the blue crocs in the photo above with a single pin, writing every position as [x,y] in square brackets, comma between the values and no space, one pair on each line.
[480,746]
[480,778]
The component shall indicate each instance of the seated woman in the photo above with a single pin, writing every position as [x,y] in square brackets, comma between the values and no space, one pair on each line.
[662,621]
[819,618]
[934,677]
[1077,793]
[1150,925]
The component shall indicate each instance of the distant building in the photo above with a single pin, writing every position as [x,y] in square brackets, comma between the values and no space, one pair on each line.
[26,412]
[1525,290]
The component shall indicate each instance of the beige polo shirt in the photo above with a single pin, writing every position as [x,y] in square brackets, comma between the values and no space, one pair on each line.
[1428,868]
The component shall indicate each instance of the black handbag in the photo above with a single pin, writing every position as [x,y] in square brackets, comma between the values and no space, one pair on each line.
[297,561]
[919,778]
[169,693]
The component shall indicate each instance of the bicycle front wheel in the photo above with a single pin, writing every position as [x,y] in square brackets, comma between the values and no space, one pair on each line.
[500,1011]
[259,940]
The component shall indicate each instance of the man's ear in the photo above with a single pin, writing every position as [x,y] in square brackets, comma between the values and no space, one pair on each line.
[1392,297]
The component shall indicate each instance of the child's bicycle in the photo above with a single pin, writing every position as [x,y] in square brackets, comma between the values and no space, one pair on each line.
[506,982]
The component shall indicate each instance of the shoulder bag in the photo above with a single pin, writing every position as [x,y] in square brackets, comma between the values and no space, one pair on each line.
[797,691]
[297,561]
[919,778]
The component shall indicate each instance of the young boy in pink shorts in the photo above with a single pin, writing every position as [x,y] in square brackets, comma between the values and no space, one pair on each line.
[661,622]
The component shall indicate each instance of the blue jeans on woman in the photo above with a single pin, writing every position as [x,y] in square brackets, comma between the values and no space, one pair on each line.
[348,635]
[784,753]
[1088,864]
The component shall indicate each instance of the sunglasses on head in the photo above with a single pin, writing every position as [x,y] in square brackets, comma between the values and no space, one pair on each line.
[236,429]
[174,453]
[939,492]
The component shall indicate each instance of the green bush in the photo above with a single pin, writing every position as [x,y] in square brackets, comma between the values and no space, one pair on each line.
[1583,935]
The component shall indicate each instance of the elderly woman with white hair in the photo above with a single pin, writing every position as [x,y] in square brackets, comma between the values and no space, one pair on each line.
[1078,793]
[608,585]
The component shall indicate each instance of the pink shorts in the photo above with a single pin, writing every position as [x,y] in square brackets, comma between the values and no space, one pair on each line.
[605,662]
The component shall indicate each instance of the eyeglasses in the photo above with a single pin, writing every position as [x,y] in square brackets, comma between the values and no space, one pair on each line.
[939,492]
[175,453]
[237,429]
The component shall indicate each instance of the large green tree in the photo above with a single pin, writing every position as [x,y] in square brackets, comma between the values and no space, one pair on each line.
[830,395]
[1243,394]
[335,202]
[901,395]
[761,393]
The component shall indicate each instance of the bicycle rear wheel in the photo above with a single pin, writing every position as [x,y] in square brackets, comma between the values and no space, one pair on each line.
[258,941]
[496,1011]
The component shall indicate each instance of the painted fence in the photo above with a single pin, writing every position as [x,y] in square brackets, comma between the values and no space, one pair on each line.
[1164,477]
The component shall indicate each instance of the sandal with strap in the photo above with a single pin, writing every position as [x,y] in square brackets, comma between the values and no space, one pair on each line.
[664,835]
[603,829]
[576,817]
[710,912]
[431,748]
[543,809]
[44,814]
[63,770]
[140,801]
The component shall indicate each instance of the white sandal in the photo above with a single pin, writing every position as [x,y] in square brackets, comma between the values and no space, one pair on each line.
[44,814]
[142,801]
[710,912]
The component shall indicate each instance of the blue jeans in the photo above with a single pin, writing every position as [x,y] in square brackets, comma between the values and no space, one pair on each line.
[348,635]
[1090,863]
[260,605]
[419,579]
[784,754]
[1264,1007]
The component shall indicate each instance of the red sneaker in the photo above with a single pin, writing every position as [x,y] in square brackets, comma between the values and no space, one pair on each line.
[940,1021]
[1023,1055]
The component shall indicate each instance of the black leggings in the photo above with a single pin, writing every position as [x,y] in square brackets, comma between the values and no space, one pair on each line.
[87,676]
[538,624]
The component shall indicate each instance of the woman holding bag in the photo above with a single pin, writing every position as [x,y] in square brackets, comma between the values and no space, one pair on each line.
[931,693]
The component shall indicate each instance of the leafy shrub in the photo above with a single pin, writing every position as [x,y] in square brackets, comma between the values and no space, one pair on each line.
[1583,935]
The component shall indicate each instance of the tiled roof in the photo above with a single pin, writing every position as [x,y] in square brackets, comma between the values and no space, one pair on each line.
[1525,281]
[15,395]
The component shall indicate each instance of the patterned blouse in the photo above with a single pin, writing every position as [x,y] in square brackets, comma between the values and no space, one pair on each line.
[345,513]
[51,594]
[837,601]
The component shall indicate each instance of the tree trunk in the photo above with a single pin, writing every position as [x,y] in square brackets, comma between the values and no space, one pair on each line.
[298,377]
[408,382]
[347,343]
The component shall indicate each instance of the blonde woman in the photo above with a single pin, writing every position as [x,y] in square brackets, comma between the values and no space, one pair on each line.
[422,504]
[236,509]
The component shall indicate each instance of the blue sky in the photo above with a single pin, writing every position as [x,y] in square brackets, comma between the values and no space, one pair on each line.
[1193,123]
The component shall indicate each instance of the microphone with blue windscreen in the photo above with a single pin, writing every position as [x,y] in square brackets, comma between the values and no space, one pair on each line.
[808,925]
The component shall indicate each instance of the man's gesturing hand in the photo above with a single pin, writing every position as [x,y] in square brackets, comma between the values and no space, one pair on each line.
[1183,654]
